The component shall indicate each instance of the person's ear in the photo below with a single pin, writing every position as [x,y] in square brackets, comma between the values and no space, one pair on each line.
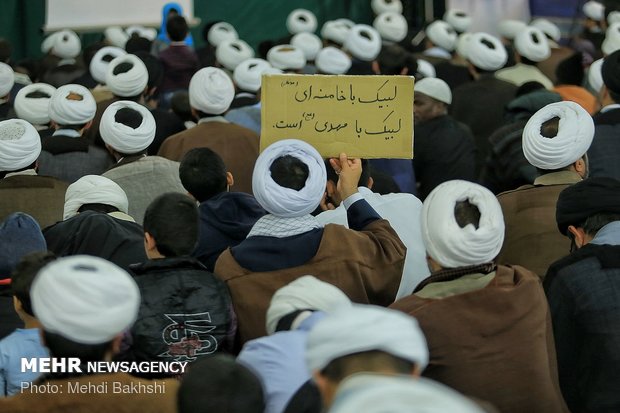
[581,167]
[371,182]
[87,126]
[330,187]
[375,67]
[579,235]
[416,371]
[230,179]
[115,345]
[17,304]
[149,242]
[326,387]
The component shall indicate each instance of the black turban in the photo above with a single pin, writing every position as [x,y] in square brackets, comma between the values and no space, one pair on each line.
[611,72]
[585,199]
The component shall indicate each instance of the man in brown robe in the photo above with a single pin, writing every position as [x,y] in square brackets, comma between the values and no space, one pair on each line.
[488,327]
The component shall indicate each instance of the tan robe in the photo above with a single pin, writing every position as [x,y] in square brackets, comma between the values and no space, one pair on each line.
[490,337]
[367,265]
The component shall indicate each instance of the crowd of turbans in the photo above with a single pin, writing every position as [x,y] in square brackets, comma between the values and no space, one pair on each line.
[141,224]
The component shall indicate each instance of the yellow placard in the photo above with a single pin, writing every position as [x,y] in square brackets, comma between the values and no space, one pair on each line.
[363,116]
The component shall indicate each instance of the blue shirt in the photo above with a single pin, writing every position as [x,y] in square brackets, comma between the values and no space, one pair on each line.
[278,360]
[22,343]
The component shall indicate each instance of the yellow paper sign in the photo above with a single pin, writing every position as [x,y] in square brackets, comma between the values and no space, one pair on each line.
[363,116]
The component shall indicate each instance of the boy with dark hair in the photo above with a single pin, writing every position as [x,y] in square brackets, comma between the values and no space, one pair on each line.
[23,342]
[219,384]
[226,217]
[179,60]
[185,313]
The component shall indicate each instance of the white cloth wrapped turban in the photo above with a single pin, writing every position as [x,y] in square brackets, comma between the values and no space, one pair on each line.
[85,299]
[575,134]
[449,244]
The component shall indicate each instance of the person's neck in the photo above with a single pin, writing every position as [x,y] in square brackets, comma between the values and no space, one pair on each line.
[29,321]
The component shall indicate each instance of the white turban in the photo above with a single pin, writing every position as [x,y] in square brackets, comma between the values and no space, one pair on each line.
[101,60]
[130,83]
[220,32]
[309,43]
[336,30]
[34,109]
[442,35]
[435,88]
[613,17]
[458,19]
[361,328]
[7,79]
[286,57]
[20,144]
[595,76]
[123,138]
[332,61]
[426,69]
[462,44]
[211,91]
[551,30]
[509,29]
[380,393]
[85,299]
[232,52]
[305,293]
[116,36]
[247,74]
[66,44]
[533,44]
[612,39]
[287,202]
[594,10]
[301,20]
[391,26]
[94,189]
[449,244]
[364,42]
[381,6]
[146,32]
[49,42]
[575,133]
[72,105]
[486,52]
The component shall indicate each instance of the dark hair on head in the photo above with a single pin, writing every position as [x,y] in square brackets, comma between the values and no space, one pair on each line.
[218,383]
[24,274]
[62,347]
[528,87]
[96,207]
[154,67]
[180,105]
[289,172]
[137,44]
[90,51]
[594,223]
[615,96]
[549,129]
[570,70]
[366,361]
[172,220]
[5,51]
[123,67]
[394,58]
[364,178]
[31,67]
[527,61]
[177,28]
[466,213]
[203,173]
[128,117]
[38,94]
